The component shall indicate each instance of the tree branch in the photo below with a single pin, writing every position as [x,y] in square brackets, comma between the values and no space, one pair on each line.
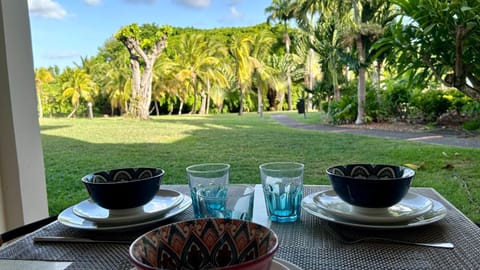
[426,60]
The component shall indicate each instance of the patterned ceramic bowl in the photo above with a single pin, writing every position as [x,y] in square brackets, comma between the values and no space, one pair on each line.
[370,185]
[206,244]
[123,188]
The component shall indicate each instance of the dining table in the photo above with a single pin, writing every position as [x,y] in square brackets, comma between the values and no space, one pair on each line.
[311,242]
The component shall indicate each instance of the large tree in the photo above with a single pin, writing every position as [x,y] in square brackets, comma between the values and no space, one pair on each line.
[144,44]
[437,38]
[283,11]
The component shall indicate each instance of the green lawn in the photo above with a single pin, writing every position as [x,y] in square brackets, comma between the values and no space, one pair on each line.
[75,147]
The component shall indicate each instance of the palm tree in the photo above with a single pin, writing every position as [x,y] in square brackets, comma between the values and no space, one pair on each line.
[365,30]
[78,86]
[113,75]
[325,36]
[215,73]
[42,76]
[239,50]
[263,75]
[283,10]
[196,59]
[305,11]
[118,86]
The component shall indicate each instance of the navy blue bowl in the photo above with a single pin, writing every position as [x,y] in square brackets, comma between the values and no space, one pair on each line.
[123,188]
[370,185]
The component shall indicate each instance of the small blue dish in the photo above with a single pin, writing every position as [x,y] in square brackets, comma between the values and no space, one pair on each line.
[123,188]
[370,185]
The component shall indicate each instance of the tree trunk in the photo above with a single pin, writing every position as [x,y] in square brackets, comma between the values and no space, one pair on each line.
[136,74]
[361,94]
[259,102]
[73,112]
[287,41]
[142,83]
[180,108]
[157,110]
[145,92]
[361,70]
[203,102]
[207,105]
[240,102]
[289,78]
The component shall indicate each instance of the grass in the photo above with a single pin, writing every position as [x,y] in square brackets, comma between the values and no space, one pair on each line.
[73,148]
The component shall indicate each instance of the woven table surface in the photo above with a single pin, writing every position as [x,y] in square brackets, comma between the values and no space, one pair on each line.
[306,243]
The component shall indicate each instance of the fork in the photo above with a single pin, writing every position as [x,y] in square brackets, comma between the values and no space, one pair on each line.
[349,240]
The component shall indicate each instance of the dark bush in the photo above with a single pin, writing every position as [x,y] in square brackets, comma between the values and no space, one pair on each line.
[472,124]
[432,103]
[395,99]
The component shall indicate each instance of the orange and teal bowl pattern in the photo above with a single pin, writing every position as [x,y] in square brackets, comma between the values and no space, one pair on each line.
[206,244]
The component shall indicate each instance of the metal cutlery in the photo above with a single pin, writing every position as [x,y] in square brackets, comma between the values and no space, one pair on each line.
[350,240]
[67,239]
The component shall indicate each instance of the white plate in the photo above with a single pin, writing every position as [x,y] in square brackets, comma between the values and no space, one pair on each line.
[163,201]
[411,206]
[279,264]
[435,214]
[68,218]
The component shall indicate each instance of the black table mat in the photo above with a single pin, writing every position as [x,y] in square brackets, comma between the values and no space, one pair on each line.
[305,243]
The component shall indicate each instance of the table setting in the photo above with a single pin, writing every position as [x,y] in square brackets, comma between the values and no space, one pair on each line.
[368,215]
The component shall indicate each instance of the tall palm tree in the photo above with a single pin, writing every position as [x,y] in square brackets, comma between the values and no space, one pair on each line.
[214,73]
[283,10]
[42,76]
[78,86]
[263,75]
[325,34]
[305,12]
[118,86]
[195,59]
[239,50]
[113,75]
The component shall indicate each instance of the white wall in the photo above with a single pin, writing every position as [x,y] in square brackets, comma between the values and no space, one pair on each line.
[23,196]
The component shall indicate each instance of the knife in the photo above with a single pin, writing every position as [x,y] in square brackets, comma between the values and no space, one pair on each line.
[68,239]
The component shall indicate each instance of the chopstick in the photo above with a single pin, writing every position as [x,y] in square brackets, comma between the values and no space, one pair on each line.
[67,239]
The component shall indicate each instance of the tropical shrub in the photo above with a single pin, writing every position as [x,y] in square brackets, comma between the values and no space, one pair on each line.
[395,99]
[344,110]
[433,103]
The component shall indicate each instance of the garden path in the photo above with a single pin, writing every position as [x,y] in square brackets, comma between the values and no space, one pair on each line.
[441,136]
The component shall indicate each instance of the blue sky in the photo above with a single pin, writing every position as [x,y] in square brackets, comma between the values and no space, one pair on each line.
[65,30]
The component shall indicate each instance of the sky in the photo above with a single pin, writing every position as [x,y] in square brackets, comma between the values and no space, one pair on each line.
[63,31]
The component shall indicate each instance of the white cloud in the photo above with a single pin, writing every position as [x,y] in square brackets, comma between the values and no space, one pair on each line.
[93,2]
[46,8]
[195,3]
[232,16]
[234,13]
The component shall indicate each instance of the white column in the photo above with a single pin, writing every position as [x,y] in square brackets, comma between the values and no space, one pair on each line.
[23,196]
